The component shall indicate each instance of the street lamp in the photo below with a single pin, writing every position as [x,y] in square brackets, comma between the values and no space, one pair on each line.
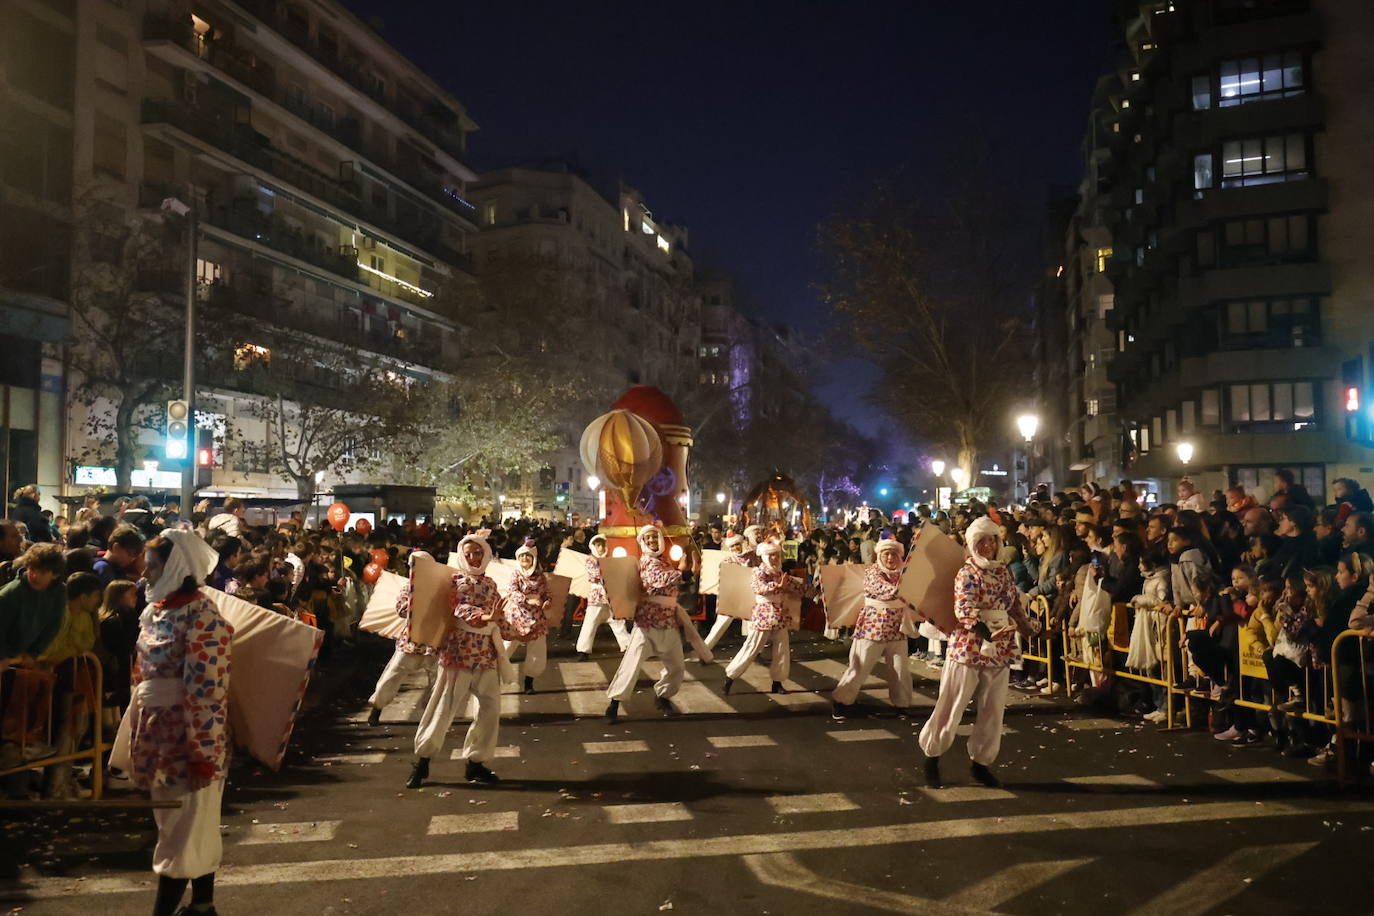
[959,476]
[593,482]
[720,498]
[937,467]
[188,357]
[1028,423]
[1185,452]
[883,491]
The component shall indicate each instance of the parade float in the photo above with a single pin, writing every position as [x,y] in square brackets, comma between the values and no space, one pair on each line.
[776,504]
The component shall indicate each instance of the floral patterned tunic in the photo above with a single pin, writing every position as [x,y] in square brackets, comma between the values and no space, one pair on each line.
[770,585]
[877,623]
[978,591]
[474,597]
[187,745]
[522,621]
[657,577]
[403,638]
[597,595]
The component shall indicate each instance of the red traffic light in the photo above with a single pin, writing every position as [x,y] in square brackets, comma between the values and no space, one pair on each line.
[205,457]
[1352,399]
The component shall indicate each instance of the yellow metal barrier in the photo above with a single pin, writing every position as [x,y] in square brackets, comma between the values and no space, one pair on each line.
[1038,648]
[1359,726]
[86,666]
[1119,634]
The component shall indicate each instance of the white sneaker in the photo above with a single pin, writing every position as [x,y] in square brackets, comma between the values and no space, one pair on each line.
[1229,735]
[1323,757]
[1157,716]
[1046,690]
[1042,683]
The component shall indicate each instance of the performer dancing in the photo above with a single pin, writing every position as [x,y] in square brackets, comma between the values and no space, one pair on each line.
[598,606]
[734,556]
[178,739]
[752,535]
[982,649]
[526,617]
[878,634]
[407,659]
[468,665]
[657,628]
[771,622]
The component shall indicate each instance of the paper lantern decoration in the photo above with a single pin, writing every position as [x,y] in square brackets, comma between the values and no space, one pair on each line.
[364,527]
[623,449]
[338,516]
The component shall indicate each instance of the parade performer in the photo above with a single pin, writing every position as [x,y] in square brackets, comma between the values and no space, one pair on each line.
[878,634]
[771,621]
[526,614]
[657,627]
[752,535]
[468,666]
[178,739]
[734,556]
[407,659]
[982,649]
[598,605]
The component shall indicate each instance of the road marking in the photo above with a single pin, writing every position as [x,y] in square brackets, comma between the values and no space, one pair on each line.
[1097,725]
[473,823]
[1209,889]
[863,734]
[1257,774]
[582,675]
[966,794]
[811,804]
[364,759]
[615,747]
[509,750]
[742,741]
[967,729]
[304,832]
[510,705]
[1124,779]
[1011,882]
[587,701]
[781,869]
[469,862]
[696,697]
[647,813]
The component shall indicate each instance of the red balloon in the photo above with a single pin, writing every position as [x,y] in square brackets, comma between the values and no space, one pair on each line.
[338,516]
[363,527]
[381,558]
[371,573]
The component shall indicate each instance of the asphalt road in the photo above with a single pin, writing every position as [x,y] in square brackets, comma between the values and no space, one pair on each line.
[745,804]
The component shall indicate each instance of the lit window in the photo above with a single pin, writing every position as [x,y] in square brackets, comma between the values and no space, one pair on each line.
[663,244]
[1092,407]
[1103,256]
[207,272]
[1256,79]
[1202,171]
[490,214]
[1263,160]
[246,355]
[1202,93]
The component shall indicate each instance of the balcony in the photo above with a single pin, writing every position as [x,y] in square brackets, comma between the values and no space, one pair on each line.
[247,222]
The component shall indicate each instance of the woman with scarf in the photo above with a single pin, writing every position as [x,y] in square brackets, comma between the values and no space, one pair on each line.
[657,627]
[598,605]
[982,649]
[407,658]
[526,614]
[179,736]
[878,634]
[771,621]
[469,663]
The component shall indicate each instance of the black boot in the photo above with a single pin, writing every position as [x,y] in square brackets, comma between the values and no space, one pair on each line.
[374,717]
[838,711]
[583,657]
[777,687]
[529,685]
[613,712]
[665,706]
[729,682]
[478,772]
[984,775]
[933,779]
[419,772]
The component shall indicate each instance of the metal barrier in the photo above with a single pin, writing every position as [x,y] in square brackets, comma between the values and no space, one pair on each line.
[1354,729]
[1039,648]
[1124,619]
[20,707]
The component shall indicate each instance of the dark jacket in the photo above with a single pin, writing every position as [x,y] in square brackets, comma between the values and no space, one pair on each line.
[28,511]
[1298,553]
[30,620]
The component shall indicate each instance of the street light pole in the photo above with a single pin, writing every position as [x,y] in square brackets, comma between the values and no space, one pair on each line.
[188,365]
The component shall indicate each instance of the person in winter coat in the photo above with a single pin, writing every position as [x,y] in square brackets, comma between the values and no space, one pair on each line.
[27,511]
[1186,565]
[1298,548]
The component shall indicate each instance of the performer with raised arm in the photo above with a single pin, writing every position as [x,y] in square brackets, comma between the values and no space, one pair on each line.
[752,535]
[734,556]
[598,605]
[982,649]
[771,621]
[878,634]
[657,627]
[406,659]
[526,614]
[468,665]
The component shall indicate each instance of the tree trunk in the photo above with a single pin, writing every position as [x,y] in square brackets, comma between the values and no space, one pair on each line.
[967,457]
[126,443]
[305,490]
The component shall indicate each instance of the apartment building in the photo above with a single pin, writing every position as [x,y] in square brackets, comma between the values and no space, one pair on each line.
[1221,242]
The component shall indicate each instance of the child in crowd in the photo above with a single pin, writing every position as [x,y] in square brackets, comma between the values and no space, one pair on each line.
[74,690]
[1150,629]
[118,634]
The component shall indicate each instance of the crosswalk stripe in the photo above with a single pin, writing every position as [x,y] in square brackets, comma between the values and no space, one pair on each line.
[967,729]
[1096,725]
[1209,889]
[587,701]
[615,747]
[509,750]
[1123,779]
[811,804]
[1256,774]
[304,832]
[1011,882]
[486,822]
[577,675]
[656,812]
[729,741]
[966,794]
[862,734]
[364,759]
[696,697]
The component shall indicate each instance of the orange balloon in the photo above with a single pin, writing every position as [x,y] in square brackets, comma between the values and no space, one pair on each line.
[338,516]
[371,573]
[381,558]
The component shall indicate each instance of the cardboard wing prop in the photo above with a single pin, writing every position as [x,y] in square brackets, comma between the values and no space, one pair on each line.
[709,583]
[380,616]
[620,575]
[431,602]
[572,566]
[271,658]
[928,583]
[559,586]
[842,589]
[736,598]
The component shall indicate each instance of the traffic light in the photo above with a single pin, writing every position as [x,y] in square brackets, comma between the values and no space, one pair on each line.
[205,457]
[178,430]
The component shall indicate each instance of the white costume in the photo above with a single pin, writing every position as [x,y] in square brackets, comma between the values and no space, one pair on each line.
[771,621]
[407,659]
[526,617]
[878,633]
[598,605]
[735,555]
[657,627]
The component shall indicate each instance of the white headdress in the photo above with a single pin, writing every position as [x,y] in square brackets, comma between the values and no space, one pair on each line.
[980,530]
[190,557]
[461,562]
[643,533]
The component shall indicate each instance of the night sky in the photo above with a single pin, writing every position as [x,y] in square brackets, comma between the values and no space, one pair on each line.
[751,122]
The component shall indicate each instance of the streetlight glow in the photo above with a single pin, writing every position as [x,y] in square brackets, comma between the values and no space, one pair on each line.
[1185,451]
[883,491]
[937,467]
[594,482]
[1028,423]
[958,475]
[720,498]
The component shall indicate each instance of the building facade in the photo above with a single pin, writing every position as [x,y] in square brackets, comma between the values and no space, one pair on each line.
[1219,247]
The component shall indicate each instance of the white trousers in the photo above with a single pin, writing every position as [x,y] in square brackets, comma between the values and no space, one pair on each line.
[536,655]
[778,641]
[449,698]
[667,645]
[864,655]
[595,616]
[401,666]
[958,684]
[721,627]
[188,837]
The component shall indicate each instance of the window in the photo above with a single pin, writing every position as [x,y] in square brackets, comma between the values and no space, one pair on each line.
[1269,324]
[1273,406]
[1105,303]
[490,214]
[1103,256]
[1092,407]
[1312,476]
[1157,430]
[377,262]
[1202,171]
[1202,93]
[1211,407]
[1257,79]
[1206,249]
[1188,417]
[1262,240]
[247,355]
[1264,160]
[208,273]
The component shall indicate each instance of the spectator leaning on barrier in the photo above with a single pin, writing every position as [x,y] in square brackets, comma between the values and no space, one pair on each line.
[123,558]
[27,513]
[33,606]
